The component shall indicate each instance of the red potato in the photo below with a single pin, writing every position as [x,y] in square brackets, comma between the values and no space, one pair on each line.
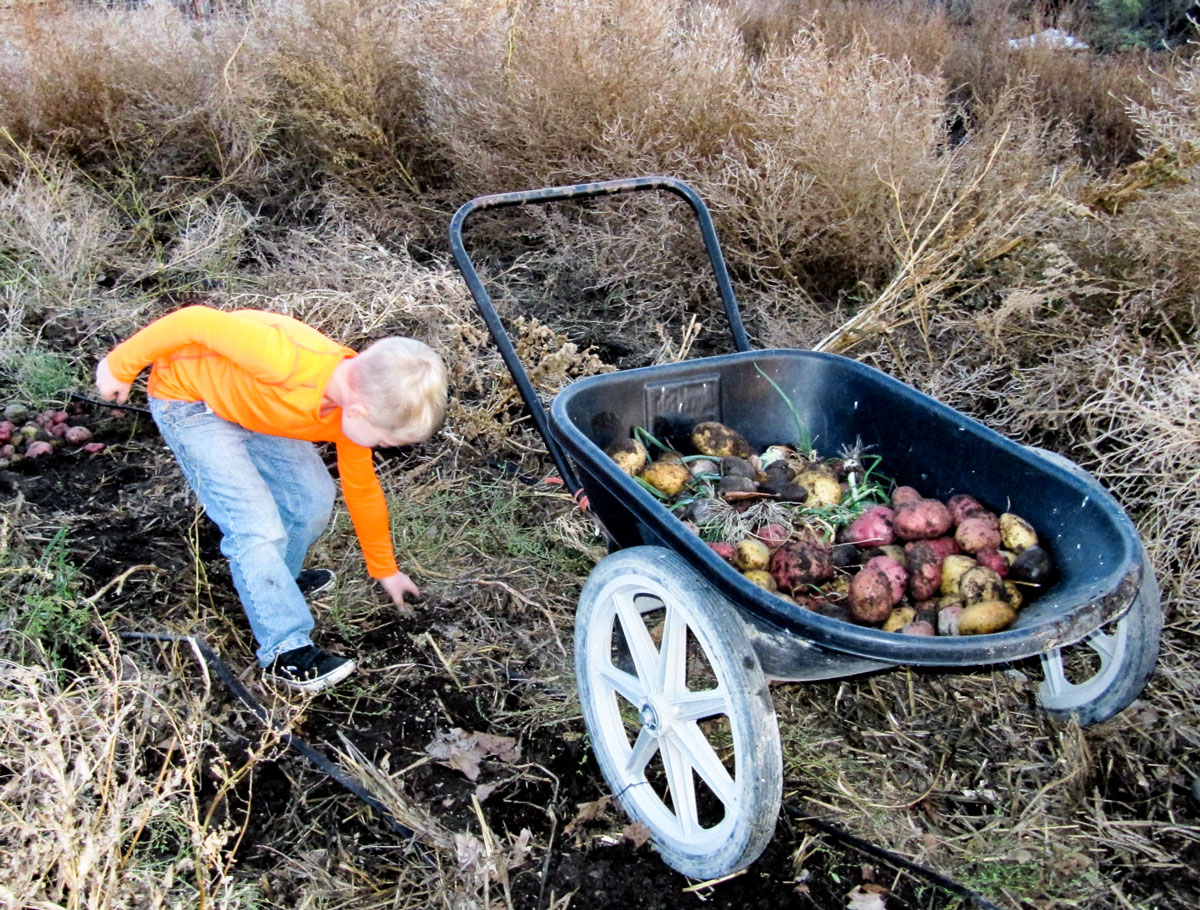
[870,596]
[8,450]
[977,533]
[872,528]
[924,570]
[944,546]
[994,560]
[947,619]
[722,548]
[985,515]
[799,563]
[58,430]
[93,448]
[960,504]
[924,519]
[901,495]
[922,627]
[896,574]
[38,449]
[773,535]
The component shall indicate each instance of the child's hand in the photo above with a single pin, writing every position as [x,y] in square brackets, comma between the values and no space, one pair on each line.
[111,388]
[398,585]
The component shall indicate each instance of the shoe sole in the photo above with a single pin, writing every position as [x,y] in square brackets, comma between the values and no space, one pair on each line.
[331,678]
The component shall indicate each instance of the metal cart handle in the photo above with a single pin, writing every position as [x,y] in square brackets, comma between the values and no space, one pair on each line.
[582,190]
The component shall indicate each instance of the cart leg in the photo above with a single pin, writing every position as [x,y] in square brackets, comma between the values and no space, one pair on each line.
[678,710]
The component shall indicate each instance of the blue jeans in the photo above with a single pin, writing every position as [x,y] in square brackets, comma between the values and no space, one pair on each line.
[271,497]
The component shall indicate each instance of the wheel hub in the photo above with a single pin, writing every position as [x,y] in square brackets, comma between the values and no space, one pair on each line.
[650,719]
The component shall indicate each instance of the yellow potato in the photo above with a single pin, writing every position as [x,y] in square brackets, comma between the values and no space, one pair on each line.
[751,554]
[953,568]
[668,477]
[1016,533]
[898,618]
[629,454]
[1013,595]
[719,441]
[823,489]
[980,583]
[762,578]
[985,618]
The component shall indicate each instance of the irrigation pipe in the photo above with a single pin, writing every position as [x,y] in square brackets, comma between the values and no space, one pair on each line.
[210,660]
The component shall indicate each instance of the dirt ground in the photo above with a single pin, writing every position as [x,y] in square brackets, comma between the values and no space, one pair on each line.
[125,508]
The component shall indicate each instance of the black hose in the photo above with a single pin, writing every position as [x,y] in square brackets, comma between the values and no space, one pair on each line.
[887,856]
[292,741]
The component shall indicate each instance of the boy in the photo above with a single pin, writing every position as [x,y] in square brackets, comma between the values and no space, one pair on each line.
[239,398]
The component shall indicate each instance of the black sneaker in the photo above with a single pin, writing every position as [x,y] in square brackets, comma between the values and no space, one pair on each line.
[315,581]
[309,669]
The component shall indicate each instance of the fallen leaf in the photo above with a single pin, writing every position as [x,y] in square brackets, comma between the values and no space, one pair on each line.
[636,834]
[588,812]
[867,897]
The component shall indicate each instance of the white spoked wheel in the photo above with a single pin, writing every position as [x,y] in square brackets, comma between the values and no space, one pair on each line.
[678,710]
[1099,676]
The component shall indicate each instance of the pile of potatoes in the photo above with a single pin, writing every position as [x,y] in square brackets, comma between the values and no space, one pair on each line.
[910,565]
[33,435]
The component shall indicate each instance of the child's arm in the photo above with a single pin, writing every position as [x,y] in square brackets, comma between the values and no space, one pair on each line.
[369,513]
[260,349]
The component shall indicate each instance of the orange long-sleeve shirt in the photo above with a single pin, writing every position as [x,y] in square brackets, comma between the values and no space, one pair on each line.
[266,372]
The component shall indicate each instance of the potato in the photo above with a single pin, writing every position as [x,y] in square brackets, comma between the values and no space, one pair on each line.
[1013,595]
[716,439]
[823,489]
[994,560]
[986,617]
[629,454]
[751,554]
[872,528]
[773,535]
[1032,567]
[944,546]
[38,448]
[898,618]
[924,570]
[901,495]
[896,574]
[75,435]
[979,583]
[762,578]
[922,627]
[870,596]
[960,504]
[975,534]
[667,476]
[797,564]
[700,466]
[894,551]
[953,568]
[923,519]
[724,549]
[947,619]
[1016,533]
[785,491]
[733,466]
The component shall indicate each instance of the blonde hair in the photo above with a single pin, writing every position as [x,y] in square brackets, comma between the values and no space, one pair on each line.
[402,382]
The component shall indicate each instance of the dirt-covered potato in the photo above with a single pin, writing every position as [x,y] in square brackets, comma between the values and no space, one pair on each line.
[870,596]
[1016,533]
[762,578]
[924,564]
[960,504]
[629,454]
[751,554]
[898,618]
[773,535]
[668,476]
[986,617]
[823,489]
[1033,567]
[901,495]
[724,549]
[1013,595]
[921,627]
[994,560]
[976,533]
[897,575]
[922,519]
[872,528]
[799,563]
[948,617]
[979,583]
[716,439]
[953,568]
